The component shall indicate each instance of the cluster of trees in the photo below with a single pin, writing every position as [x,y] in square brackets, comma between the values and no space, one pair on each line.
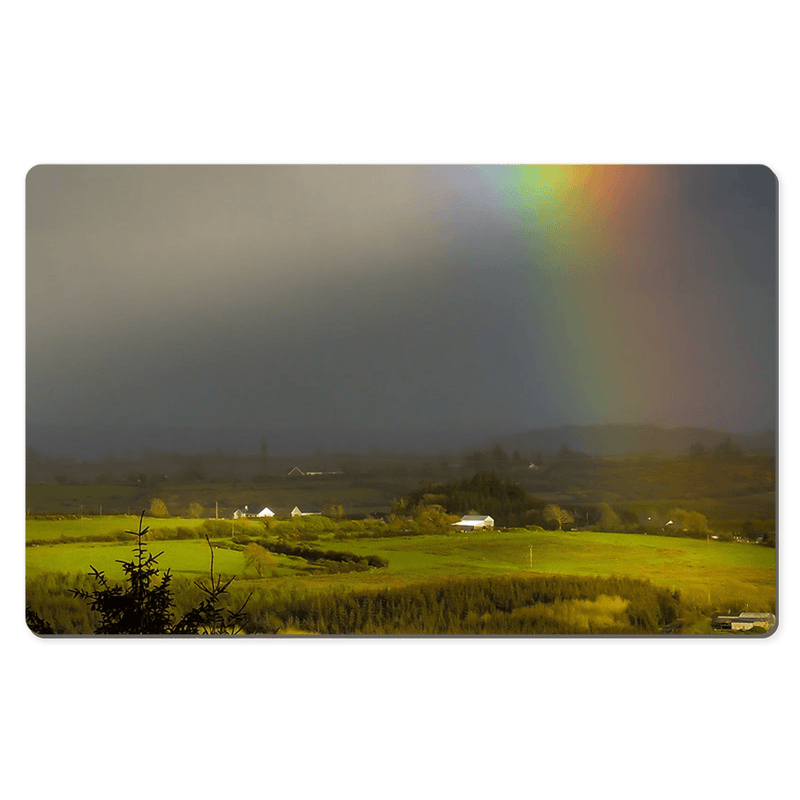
[501,605]
[505,501]
[604,517]
[510,505]
[158,508]
[684,521]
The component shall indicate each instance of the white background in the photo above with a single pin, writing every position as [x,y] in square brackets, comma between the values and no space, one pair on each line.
[91,82]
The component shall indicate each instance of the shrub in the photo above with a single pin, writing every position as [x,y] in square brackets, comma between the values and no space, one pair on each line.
[259,558]
[158,508]
[217,528]
[195,510]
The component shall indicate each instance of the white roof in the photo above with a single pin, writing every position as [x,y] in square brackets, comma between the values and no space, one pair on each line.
[265,512]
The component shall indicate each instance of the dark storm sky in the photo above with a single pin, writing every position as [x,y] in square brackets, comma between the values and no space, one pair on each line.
[372,298]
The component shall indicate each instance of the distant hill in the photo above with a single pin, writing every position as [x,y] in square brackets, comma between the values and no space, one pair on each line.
[122,441]
[89,442]
[620,439]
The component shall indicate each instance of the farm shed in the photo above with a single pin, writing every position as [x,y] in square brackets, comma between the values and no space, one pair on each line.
[473,522]
[744,622]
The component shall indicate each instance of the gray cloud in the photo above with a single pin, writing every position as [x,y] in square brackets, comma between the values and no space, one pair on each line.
[357,297]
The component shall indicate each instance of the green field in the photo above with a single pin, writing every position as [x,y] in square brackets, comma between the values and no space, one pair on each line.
[189,558]
[711,576]
[721,571]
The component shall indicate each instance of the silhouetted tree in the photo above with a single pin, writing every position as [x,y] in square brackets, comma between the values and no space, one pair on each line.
[36,623]
[144,605]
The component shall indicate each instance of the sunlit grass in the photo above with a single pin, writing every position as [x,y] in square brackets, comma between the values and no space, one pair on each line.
[710,575]
[191,558]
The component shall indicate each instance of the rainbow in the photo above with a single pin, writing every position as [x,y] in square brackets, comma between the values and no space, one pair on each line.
[583,233]
[577,218]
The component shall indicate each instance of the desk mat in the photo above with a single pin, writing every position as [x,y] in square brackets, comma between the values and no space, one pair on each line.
[401,400]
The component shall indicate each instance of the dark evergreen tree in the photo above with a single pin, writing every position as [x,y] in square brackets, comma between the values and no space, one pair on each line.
[144,606]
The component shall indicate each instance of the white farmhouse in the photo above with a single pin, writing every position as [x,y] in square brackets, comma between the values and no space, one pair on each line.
[246,512]
[473,522]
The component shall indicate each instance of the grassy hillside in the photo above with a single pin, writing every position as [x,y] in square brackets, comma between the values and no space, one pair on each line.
[710,576]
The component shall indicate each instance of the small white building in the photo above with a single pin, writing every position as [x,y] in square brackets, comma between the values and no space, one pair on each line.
[296,512]
[246,512]
[744,622]
[473,522]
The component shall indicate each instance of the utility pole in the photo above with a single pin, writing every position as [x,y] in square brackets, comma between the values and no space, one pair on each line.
[530,552]
[216,511]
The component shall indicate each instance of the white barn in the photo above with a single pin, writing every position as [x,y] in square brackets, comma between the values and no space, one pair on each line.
[473,522]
